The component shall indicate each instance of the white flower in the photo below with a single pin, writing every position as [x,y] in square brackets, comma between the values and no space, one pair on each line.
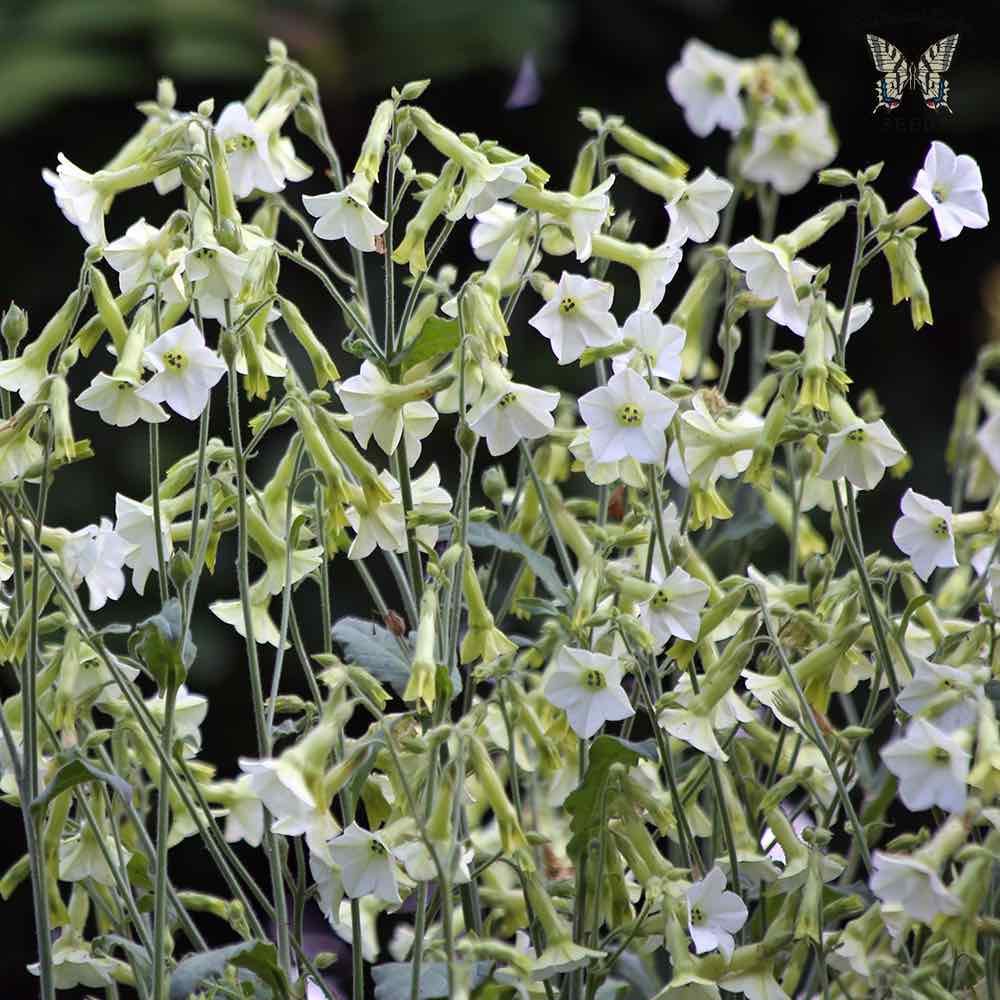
[657,344]
[118,402]
[914,885]
[134,523]
[790,310]
[656,267]
[757,984]
[508,412]
[924,533]
[419,864]
[588,687]
[675,609]
[366,397]
[788,150]
[627,471]
[74,964]
[185,370]
[714,914]
[861,453]
[766,265]
[245,814]
[366,865]
[281,786]
[189,713]
[932,767]
[627,419]
[216,276]
[706,84]
[587,215]
[578,316]
[328,884]
[988,439]
[492,229]
[934,684]
[706,456]
[79,197]
[248,152]
[345,215]
[80,856]
[694,210]
[140,253]
[510,178]
[953,187]
[96,554]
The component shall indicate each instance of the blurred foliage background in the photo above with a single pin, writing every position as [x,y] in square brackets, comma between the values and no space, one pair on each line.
[72,69]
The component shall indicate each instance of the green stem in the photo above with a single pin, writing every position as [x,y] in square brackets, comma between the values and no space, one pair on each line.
[162,832]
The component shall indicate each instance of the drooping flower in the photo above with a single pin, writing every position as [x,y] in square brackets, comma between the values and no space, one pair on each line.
[788,149]
[767,267]
[578,316]
[587,686]
[694,210]
[924,533]
[913,884]
[96,554]
[117,401]
[216,275]
[186,370]
[509,179]
[627,419]
[508,412]
[947,695]
[345,215]
[80,197]
[953,187]
[134,523]
[367,867]
[932,767]
[141,254]
[492,229]
[675,609]
[657,344]
[860,453]
[706,84]
[248,152]
[714,914]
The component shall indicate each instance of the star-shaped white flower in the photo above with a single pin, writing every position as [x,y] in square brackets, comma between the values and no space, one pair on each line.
[788,149]
[627,419]
[134,523]
[939,685]
[924,533]
[510,178]
[655,267]
[279,783]
[657,344]
[366,396]
[345,215]
[861,453]
[706,84]
[694,210]
[79,197]
[367,867]
[675,609]
[714,914]
[508,412]
[118,402]
[588,687]
[216,276]
[578,316]
[587,215]
[248,152]
[706,456]
[492,229]
[135,254]
[96,554]
[913,885]
[953,187]
[932,767]
[766,265]
[185,370]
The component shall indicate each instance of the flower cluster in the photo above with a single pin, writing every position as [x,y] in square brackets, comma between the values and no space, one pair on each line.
[595,748]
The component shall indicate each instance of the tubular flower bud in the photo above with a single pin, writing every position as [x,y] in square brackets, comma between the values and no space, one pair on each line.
[423,673]
[512,837]
[813,229]
[655,267]
[411,249]
[25,374]
[324,369]
[640,145]
[561,954]
[483,640]
[584,215]
[908,280]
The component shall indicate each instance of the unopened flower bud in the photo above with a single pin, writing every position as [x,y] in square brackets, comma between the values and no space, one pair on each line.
[14,327]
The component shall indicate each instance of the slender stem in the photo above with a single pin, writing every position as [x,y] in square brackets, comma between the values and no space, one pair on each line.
[154,489]
[162,833]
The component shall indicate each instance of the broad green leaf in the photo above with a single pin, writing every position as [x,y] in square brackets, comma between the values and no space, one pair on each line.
[584,804]
[257,960]
[76,772]
[376,649]
[437,336]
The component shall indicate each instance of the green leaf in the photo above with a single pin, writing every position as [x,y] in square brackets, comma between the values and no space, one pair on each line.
[257,960]
[392,979]
[584,804]
[375,649]
[437,336]
[485,536]
[75,772]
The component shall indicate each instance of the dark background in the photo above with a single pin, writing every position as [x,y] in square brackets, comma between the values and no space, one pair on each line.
[73,68]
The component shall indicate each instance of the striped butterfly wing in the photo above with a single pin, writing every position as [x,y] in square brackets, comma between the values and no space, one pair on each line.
[930,68]
[897,73]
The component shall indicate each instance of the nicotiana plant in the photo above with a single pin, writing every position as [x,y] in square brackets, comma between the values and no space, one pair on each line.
[571,757]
